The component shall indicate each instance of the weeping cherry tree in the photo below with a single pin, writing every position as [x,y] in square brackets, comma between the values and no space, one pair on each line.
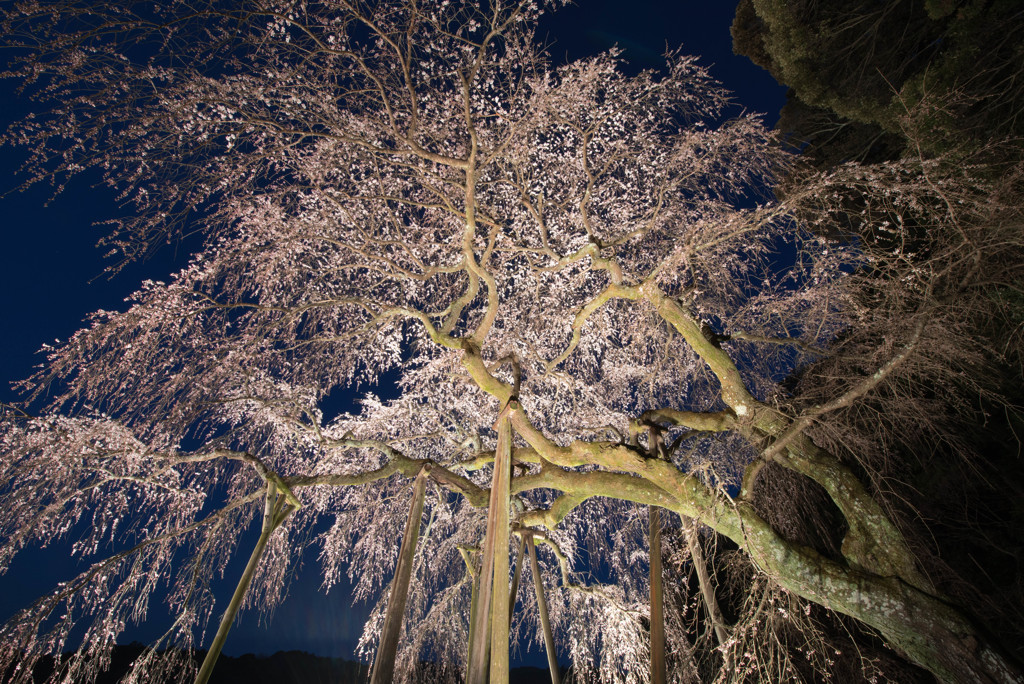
[578,277]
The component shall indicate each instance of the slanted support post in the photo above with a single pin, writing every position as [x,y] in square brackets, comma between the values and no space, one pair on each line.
[658,670]
[276,509]
[542,608]
[515,580]
[474,575]
[656,449]
[384,663]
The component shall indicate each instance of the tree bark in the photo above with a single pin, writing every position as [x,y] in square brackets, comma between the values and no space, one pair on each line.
[876,583]
[926,628]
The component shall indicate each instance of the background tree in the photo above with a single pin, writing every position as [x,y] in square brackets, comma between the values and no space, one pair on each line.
[858,69]
[929,81]
[416,189]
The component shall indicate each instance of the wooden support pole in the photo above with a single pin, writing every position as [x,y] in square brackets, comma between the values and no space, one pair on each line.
[656,448]
[479,628]
[275,511]
[515,580]
[658,670]
[384,663]
[542,608]
[473,603]
[499,609]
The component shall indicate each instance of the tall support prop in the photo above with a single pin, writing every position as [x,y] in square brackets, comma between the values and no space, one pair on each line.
[499,609]
[474,600]
[384,663]
[656,448]
[492,615]
[478,667]
[542,608]
[658,670]
[515,580]
[277,508]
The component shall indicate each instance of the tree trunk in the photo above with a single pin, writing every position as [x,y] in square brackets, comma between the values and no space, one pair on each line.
[384,663]
[886,592]
[928,630]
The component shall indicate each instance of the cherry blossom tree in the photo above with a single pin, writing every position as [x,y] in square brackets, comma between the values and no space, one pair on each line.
[586,295]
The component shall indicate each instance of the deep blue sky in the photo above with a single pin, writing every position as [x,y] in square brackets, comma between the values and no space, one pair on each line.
[51,277]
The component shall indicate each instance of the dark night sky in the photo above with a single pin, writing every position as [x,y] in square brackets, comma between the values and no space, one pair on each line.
[51,277]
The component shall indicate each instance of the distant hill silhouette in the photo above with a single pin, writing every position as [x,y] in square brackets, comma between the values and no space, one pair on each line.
[284,667]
